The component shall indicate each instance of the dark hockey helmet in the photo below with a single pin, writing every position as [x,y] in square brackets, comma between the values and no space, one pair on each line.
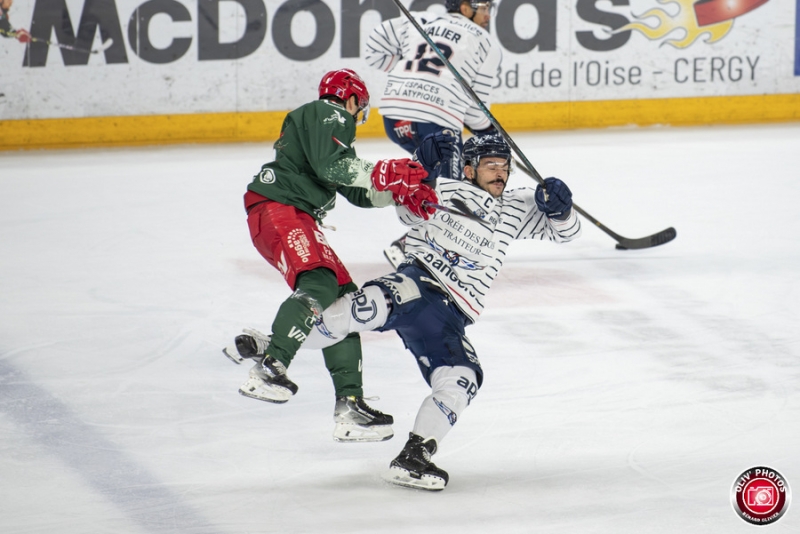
[486,146]
[343,84]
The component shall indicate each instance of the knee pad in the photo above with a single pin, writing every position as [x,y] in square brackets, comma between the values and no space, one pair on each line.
[360,311]
[452,390]
[308,301]
[457,384]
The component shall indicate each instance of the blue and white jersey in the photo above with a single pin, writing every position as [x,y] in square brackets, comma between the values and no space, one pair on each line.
[464,255]
[420,86]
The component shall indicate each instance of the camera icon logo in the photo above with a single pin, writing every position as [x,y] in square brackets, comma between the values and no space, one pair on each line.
[760,496]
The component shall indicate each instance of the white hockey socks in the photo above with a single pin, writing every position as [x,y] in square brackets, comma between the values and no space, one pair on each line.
[452,389]
[361,311]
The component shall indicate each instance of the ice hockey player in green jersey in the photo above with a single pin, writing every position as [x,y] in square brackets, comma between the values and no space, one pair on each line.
[314,161]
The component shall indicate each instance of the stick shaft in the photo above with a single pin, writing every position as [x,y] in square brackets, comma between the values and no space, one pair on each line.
[471,93]
[13,31]
[659,238]
[461,212]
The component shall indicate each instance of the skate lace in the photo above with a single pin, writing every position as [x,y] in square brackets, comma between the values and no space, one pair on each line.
[416,456]
[262,340]
[273,368]
[360,402]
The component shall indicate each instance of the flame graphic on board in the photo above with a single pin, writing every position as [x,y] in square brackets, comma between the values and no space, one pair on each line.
[713,18]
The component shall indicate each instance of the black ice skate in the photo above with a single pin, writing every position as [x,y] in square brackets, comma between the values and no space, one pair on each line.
[413,467]
[357,421]
[268,382]
[252,345]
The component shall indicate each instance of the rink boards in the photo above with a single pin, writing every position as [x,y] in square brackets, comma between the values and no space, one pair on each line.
[169,71]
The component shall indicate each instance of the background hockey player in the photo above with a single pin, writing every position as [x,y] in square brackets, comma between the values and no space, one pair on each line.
[422,96]
[441,288]
[315,160]
[6,29]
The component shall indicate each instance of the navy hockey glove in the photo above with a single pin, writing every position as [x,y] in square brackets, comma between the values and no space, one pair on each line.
[435,151]
[559,201]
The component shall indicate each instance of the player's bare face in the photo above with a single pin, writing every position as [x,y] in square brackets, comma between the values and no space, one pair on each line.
[483,14]
[492,175]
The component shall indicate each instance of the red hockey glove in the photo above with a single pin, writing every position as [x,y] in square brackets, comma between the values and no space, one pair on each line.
[23,36]
[416,202]
[400,176]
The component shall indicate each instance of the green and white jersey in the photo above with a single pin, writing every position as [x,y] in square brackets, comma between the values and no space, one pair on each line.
[315,159]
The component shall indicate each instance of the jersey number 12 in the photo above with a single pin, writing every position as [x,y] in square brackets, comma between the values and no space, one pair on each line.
[427,60]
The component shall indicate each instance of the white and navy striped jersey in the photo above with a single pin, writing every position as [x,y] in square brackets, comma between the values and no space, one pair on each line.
[420,87]
[464,255]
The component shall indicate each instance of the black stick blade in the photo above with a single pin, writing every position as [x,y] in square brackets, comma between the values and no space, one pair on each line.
[464,209]
[659,238]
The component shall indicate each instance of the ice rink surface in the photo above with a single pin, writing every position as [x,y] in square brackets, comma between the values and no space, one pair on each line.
[625,390]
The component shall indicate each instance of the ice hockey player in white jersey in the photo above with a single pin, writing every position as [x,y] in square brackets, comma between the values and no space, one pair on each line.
[441,287]
[422,96]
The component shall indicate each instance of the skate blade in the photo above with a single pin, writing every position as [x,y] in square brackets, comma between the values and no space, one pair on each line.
[351,432]
[232,354]
[401,477]
[255,388]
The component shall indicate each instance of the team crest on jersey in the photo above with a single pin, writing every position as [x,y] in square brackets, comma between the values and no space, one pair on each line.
[336,117]
[453,258]
[266,176]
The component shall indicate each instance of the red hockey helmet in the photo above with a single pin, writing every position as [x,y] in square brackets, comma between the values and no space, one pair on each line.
[343,84]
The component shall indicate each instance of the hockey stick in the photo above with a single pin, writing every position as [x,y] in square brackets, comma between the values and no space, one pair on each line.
[622,242]
[460,209]
[105,46]
[470,92]
[395,258]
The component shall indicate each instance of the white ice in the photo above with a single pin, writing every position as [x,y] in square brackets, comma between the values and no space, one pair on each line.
[625,390]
